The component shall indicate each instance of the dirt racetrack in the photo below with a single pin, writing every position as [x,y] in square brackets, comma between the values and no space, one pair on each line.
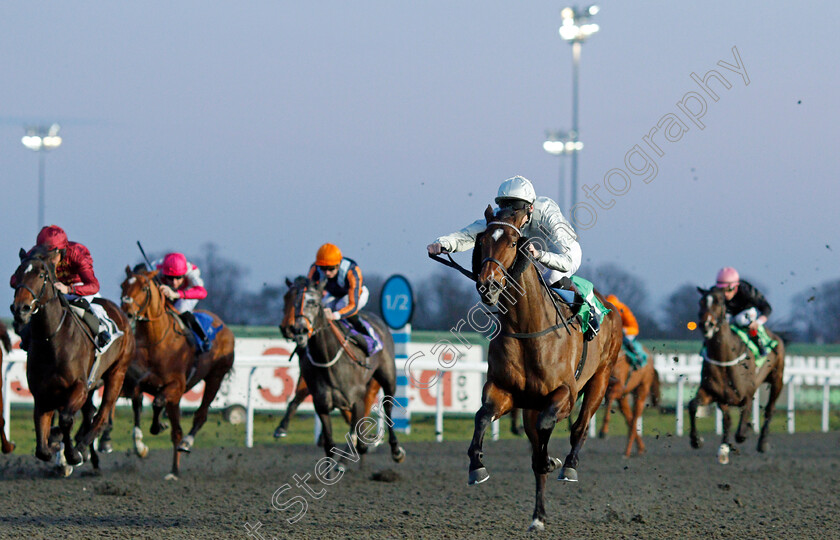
[671,492]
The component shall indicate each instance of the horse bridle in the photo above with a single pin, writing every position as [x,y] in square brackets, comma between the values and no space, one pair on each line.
[310,329]
[497,262]
[36,303]
[147,288]
[719,319]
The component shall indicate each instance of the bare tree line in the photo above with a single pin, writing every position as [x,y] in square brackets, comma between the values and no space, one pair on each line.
[444,297]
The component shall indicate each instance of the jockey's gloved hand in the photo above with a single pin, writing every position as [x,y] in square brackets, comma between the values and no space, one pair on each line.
[435,248]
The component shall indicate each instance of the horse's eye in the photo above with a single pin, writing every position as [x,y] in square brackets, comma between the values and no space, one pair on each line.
[513,244]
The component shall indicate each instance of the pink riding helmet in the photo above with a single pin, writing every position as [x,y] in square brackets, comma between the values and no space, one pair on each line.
[174,264]
[728,277]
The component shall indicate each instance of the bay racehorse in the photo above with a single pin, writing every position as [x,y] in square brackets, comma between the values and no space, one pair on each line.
[336,370]
[302,392]
[729,376]
[537,361]
[640,383]
[5,445]
[62,364]
[167,360]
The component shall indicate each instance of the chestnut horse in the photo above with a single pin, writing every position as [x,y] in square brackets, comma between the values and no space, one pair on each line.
[537,361]
[729,376]
[62,364]
[6,445]
[169,360]
[302,392]
[336,370]
[640,383]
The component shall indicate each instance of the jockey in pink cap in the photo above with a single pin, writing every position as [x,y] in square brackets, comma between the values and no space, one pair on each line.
[744,303]
[181,283]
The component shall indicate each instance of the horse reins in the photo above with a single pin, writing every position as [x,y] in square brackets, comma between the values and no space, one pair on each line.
[342,339]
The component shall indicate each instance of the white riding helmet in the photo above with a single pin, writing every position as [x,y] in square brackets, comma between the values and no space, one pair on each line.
[518,188]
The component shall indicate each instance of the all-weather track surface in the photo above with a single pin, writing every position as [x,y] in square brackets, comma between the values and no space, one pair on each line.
[672,491]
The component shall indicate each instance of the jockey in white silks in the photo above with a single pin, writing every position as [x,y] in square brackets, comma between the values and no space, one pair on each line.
[554,243]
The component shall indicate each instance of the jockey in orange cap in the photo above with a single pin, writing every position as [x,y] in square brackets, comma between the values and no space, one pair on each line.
[344,293]
[630,329]
[744,303]
[75,279]
[182,285]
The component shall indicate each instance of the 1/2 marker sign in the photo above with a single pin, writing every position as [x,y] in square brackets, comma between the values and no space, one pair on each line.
[396,302]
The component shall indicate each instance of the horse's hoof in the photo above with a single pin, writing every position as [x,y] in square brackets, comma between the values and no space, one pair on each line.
[602,434]
[106,447]
[64,471]
[478,476]
[44,456]
[9,448]
[536,525]
[142,452]
[553,464]
[74,457]
[171,476]
[568,474]
[723,454]
[518,431]
[186,444]
[399,455]
[697,443]
[763,446]
[85,452]
[279,433]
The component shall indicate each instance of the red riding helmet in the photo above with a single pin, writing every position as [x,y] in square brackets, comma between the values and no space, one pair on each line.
[174,265]
[52,237]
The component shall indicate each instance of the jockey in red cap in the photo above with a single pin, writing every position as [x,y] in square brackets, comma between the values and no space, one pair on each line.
[183,286]
[744,303]
[74,278]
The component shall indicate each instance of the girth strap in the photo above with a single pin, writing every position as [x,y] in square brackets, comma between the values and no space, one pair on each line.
[582,360]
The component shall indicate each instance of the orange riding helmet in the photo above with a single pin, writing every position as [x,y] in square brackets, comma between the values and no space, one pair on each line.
[328,255]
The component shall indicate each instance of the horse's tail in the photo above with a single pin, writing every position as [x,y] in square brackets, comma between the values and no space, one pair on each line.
[654,389]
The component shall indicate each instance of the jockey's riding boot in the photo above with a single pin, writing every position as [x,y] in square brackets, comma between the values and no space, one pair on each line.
[762,350]
[594,326]
[359,334]
[192,323]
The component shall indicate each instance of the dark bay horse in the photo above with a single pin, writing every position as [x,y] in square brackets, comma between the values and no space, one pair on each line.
[729,376]
[335,370]
[6,445]
[625,381]
[62,368]
[168,362]
[532,362]
[302,392]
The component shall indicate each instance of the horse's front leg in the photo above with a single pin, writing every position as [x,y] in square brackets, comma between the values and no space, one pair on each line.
[593,394]
[301,392]
[137,433]
[776,381]
[43,425]
[495,403]
[541,464]
[78,398]
[700,400]
[725,445]
[743,421]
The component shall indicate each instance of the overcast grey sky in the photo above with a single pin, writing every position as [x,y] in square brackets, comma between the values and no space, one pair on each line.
[272,127]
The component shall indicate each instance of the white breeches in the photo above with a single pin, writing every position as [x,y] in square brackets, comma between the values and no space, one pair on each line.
[746,317]
[330,301]
[183,305]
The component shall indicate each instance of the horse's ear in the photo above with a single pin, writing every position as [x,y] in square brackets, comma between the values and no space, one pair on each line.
[289,283]
[22,254]
[703,291]
[154,274]
[488,214]
[128,271]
